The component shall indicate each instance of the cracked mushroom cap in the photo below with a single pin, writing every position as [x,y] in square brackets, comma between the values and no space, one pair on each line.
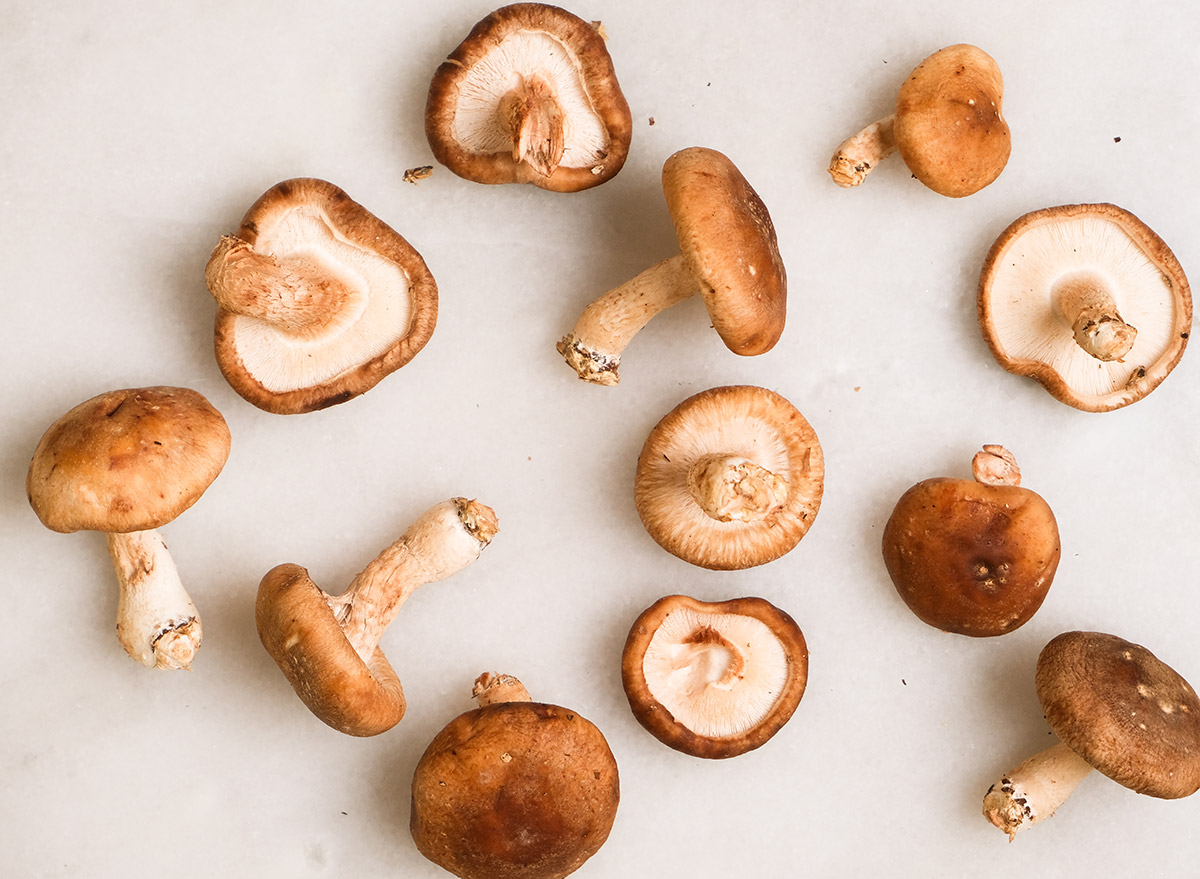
[727,238]
[383,300]
[1123,710]
[543,65]
[127,460]
[714,679]
[730,478]
[1045,261]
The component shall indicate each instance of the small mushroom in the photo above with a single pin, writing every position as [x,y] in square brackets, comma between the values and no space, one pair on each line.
[1087,300]
[973,557]
[318,298]
[515,789]
[530,96]
[728,252]
[1117,708]
[730,478]
[714,679]
[126,463]
[948,126]
[328,646]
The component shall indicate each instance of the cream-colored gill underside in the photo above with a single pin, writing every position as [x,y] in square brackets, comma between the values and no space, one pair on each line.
[377,318]
[686,678]
[1029,325]
[477,125]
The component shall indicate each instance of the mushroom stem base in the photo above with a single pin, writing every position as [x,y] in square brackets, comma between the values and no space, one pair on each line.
[1097,325]
[1034,790]
[157,623]
[858,155]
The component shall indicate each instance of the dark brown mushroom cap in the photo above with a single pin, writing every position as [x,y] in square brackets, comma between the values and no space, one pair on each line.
[287,374]
[949,127]
[971,558]
[727,238]
[1123,710]
[734,671]
[481,69]
[127,460]
[514,790]
[297,627]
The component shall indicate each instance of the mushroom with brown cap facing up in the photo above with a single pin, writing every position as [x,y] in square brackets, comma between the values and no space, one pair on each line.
[728,253]
[328,646]
[730,478]
[1117,708]
[948,126]
[530,96]
[126,463]
[318,298]
[515,789]
[717,679]
[974,557]
[1087,300]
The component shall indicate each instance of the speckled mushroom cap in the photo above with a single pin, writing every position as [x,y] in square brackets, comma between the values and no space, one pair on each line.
[521,43]
[744,422]
[714,679]
[1037,256]
[389,315]
[1123,710]
[127,460]
[727,238]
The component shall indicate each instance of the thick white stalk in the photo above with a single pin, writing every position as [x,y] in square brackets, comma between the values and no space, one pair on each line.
[1034,790]
[857,155]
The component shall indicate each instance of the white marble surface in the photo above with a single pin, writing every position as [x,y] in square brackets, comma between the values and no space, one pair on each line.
[134,134]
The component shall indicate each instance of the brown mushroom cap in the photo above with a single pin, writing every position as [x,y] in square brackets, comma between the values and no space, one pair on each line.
[514,790]
[1123,710]
[714,679]
[1024,325]
[741,421]
[127,460]
[520,43]
[390,316]
[728,240]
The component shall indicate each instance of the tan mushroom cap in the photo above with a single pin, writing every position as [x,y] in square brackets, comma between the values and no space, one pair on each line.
[127,460]
[728,240]
[771,498]
[522,50]
[714,680]
[1042,261]
[386,300]
[1123,710]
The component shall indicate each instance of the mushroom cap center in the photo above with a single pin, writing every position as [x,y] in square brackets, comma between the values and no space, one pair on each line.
[731,488]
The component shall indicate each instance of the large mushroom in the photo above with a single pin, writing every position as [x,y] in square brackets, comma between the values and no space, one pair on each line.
[728,253]
[1087,300]
[1117,708]
[730,478]
[126,463]
[318,298]
[328,646]
[530,96]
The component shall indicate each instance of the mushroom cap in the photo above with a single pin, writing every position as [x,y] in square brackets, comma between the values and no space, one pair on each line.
[970,558]
[742,420]
[727,238]
[297,627]
[514,790]
[512,44]
[949,127]
[714,679]
[1028,334]
[1123,710]
[393,314]
[127,460]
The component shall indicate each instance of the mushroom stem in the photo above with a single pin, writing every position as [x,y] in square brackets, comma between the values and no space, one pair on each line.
[442,541]
[859,154]
[593,348]
[493,689]
[731,488]
[1085,303]
[995,465]
[1034,790]
[705,659]
[157,623]
[295,294]
[532,115]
